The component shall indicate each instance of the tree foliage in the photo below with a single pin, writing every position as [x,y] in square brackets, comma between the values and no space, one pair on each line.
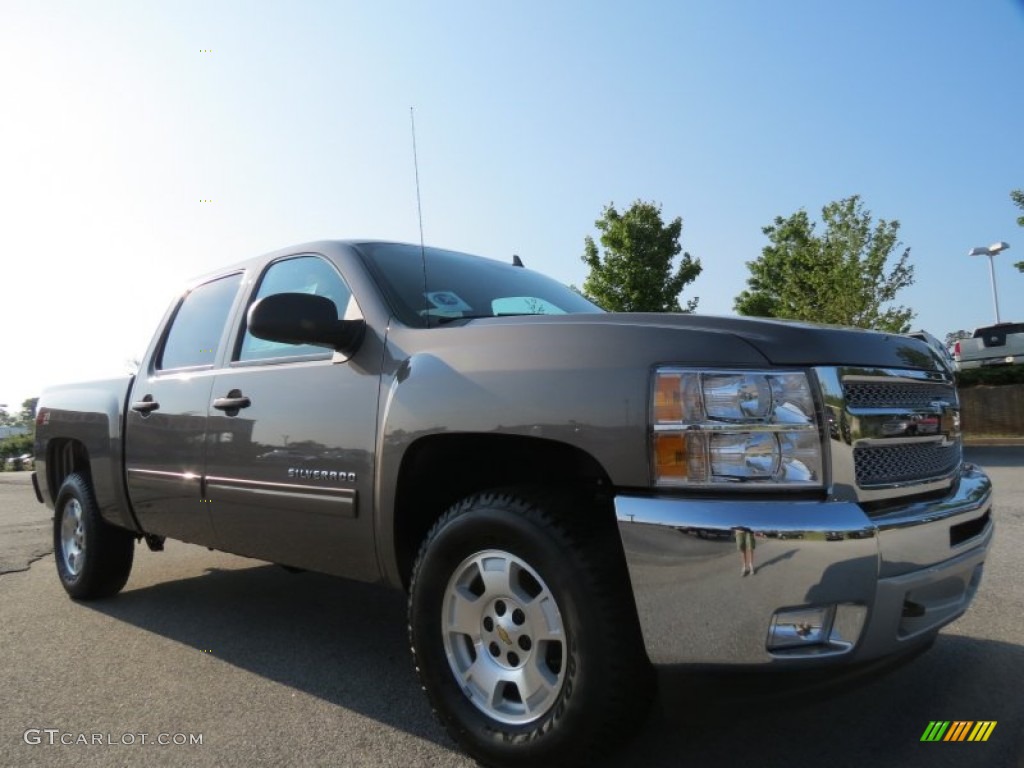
[16,445]
[1017,196]
[837,277]
[25,417]
[28,410]
[635,272]
[954,336]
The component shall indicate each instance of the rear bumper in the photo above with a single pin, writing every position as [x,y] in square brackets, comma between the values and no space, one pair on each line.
[829,582]
[987,362]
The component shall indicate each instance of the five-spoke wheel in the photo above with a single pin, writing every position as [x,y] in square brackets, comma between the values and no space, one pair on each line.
[504,636]
[524,632]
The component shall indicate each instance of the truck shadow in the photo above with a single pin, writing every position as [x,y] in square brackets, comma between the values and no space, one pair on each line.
[342,641]
[346,643]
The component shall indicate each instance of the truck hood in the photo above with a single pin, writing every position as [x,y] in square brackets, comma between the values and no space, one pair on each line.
[783,342]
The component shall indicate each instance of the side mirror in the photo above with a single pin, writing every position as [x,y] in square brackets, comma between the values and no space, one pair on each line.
[304,318]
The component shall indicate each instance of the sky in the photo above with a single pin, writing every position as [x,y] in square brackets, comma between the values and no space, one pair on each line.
[120,120]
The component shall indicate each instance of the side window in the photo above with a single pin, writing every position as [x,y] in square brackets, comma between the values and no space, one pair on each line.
[198,324]
[302,274]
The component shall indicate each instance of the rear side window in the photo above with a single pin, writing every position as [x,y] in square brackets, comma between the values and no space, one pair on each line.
[198,324]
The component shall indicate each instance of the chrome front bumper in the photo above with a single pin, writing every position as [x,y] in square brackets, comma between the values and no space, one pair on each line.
[875,585]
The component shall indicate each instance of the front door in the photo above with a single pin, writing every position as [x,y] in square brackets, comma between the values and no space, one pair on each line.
[291,438]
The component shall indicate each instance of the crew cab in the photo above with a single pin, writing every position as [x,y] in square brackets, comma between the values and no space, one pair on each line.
[567,495]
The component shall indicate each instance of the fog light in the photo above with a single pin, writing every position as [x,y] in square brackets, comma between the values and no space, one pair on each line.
[800,627]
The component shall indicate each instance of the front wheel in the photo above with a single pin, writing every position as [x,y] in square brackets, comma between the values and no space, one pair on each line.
[522,634]
[93,557]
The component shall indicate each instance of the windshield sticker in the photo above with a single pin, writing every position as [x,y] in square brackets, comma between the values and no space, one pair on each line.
[448,301]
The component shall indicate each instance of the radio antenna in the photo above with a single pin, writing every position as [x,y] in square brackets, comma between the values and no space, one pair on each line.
[419,212]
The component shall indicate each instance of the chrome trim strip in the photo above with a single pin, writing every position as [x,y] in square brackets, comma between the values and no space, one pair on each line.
[897,376]
[733,427]
[183,476]
[887,442]
[325,500]
[238,482]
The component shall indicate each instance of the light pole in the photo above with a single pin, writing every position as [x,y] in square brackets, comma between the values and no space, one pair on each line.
[991,251]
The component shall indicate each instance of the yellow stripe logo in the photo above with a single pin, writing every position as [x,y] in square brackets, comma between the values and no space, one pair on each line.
[958,730]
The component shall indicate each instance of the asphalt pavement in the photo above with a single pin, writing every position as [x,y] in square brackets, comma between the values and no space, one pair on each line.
[24,523]
[266,667]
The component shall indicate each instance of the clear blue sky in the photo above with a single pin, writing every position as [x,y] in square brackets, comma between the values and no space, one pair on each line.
[530,117]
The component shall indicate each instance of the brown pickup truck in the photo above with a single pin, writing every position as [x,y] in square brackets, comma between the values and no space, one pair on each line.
[567,495]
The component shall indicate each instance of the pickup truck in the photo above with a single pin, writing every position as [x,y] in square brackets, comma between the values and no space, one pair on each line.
[568,496]
[1000,344]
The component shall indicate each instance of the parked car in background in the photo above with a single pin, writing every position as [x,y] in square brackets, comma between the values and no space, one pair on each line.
[1000,344]
[17,463]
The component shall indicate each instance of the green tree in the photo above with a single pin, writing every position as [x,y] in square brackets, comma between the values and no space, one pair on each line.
[635,272]
[954,336]
[28,411]
[1017,196]
[837,277]
[16,445]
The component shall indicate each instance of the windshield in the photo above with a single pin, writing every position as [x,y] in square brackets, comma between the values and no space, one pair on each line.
[462,286]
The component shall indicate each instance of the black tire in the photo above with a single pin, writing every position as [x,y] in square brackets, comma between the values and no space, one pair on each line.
[93,557]
[587,690]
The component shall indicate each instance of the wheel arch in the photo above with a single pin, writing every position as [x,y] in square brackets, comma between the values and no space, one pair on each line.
[64,457]
[438,470]
[68,455]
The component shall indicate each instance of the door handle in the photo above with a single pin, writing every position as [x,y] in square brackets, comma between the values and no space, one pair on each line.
[232,402]
[145,405]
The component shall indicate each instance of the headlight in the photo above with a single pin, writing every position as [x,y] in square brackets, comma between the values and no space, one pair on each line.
[714,427]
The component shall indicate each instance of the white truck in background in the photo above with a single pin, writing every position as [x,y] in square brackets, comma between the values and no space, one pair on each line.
[1000,344]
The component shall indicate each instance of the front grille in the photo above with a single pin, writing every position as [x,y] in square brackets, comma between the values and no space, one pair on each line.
[908,462]
[894,433]
[896,394]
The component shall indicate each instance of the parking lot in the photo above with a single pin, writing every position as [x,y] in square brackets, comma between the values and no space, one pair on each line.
[267,667]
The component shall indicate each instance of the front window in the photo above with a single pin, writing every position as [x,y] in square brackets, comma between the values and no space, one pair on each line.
[427,287]
[302,274]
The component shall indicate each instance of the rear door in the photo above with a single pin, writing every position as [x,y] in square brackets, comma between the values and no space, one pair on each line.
[291,439]
[166,425]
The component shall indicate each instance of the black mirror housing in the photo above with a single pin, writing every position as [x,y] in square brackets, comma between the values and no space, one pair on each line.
[304,318]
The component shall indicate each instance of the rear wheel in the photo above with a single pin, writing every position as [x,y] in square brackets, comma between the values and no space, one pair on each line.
[522,636]
[93,557]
